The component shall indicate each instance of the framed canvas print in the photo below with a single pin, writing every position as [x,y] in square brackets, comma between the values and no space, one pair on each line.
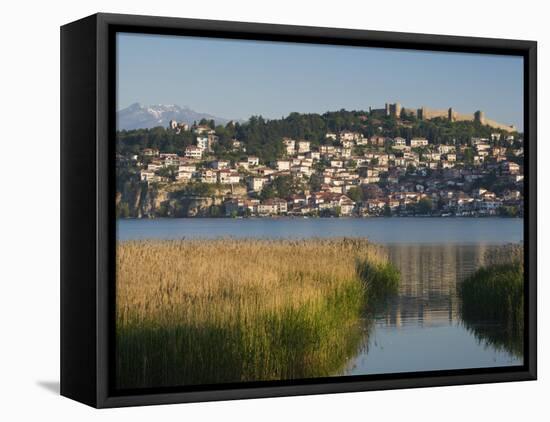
[253,210]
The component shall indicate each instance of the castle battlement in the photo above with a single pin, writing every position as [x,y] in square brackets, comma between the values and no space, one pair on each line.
[424,113]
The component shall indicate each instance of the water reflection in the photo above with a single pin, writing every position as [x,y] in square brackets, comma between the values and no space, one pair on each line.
[498,336]
[429,277]
[422,328]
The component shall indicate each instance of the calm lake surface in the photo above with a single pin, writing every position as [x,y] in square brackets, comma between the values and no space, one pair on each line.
[421,328]
[380,230]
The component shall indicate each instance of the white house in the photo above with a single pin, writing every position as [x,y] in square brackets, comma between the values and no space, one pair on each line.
[202,142]
[327,149]
[256,184]
[185,165]
[419,142]
[445,149]
[272,206]
[347,143]
[219,164]
[282,165]
[184,176]
[148,176]
[303,146]
[301,170]
[290,145]
[242,164]
[510,167]
[170,159]
[346,205]
[347,135]
[237,145]
[345,152]
[226,177]
[150,152]
[314,155]
[199,130]
[399,142]
[154,166]
[208,176]
[377,140]
[193,152]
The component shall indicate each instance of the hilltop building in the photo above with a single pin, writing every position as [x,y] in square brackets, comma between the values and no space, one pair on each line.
[178,127]
[424,113]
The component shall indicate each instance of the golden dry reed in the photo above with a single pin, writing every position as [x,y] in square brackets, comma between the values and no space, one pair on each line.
[504,254]
[213,311]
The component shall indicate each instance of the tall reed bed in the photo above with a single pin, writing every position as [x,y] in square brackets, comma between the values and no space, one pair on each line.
[495,293]
[210,311]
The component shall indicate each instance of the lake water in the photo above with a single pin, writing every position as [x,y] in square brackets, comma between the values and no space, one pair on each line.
[380,230]
[421,328]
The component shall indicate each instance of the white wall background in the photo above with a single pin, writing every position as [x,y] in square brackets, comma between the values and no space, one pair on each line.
[29,209]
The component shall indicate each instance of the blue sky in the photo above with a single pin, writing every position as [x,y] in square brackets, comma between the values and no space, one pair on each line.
[236,79]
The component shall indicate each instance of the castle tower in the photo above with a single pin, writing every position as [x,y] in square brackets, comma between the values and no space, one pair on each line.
[479,116]
[397,110]
[387,109]
[451,115]
[421,113]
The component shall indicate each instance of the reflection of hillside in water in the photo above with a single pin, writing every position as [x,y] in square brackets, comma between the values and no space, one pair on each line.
[422,327]
[429,277]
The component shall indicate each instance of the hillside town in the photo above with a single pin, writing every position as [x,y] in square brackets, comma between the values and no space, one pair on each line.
[348,174]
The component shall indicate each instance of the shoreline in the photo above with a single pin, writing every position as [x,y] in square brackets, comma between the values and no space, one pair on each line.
[295,217]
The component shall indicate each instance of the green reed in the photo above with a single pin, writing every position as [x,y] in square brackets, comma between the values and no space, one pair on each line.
[214,311]
[496,294]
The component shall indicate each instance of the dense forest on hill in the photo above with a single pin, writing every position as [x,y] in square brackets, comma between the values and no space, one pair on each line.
[262,137]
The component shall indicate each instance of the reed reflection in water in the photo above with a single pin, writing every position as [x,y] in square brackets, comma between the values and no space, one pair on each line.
[421,328]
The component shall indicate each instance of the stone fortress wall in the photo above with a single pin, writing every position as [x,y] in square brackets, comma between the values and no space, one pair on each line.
[425,113]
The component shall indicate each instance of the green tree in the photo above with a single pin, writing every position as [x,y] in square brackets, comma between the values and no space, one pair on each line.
[284,186]
[315,183]
[468,156]
[268,192]
[215,211]
[122,210]
[508,211]
[194,189]
[355,194]
[169,172]
[424,206]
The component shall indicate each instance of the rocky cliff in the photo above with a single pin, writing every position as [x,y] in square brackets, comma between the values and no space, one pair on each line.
[142,200]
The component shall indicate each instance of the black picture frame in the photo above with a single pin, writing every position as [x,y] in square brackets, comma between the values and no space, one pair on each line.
[88,219]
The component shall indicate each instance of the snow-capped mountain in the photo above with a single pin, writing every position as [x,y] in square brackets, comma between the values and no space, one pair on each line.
[137,116]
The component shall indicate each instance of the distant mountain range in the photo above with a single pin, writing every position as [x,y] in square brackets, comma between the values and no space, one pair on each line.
[137,116]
